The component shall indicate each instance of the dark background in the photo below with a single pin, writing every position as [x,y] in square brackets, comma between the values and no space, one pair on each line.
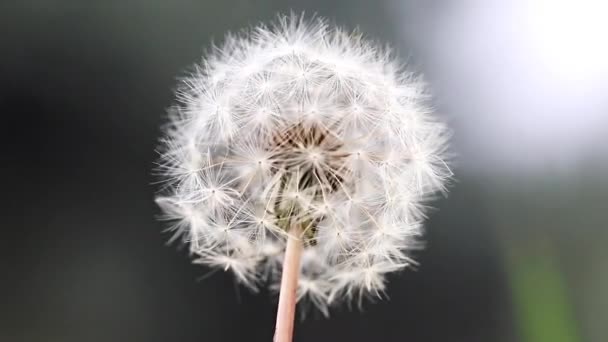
[517,252]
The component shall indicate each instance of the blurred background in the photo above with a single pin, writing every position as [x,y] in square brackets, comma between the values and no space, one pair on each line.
[517,252]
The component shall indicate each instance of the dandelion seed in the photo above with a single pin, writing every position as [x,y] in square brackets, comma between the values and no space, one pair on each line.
[302,135]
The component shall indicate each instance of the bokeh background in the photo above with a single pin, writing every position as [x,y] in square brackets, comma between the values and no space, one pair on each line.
[517,252]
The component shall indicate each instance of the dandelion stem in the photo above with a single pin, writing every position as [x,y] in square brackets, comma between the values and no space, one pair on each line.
[289,284]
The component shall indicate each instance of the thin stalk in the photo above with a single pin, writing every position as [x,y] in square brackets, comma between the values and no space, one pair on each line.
[289,284]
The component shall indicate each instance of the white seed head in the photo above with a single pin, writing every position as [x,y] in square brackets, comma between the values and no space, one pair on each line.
[302,124]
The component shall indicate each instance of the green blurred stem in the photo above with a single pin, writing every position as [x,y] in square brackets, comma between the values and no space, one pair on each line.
[542,309]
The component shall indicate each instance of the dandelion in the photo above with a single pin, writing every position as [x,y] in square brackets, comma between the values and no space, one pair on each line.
[304,153]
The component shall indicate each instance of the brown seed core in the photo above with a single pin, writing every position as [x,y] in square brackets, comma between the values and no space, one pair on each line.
[313,158]
[311,151]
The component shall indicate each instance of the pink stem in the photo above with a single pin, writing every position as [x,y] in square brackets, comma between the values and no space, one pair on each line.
[289,284]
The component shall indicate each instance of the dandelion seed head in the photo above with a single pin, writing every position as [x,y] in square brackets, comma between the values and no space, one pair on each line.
[302,124]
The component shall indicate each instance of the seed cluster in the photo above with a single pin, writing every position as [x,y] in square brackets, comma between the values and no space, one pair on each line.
[301,124]
[309,158]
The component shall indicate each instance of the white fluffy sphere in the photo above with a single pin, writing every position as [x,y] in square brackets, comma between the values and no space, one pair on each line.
[300,124]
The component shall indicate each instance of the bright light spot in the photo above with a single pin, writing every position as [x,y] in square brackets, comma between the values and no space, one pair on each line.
[570,37]
[527,79]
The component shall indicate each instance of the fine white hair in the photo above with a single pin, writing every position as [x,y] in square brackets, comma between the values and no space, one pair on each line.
[299,123]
